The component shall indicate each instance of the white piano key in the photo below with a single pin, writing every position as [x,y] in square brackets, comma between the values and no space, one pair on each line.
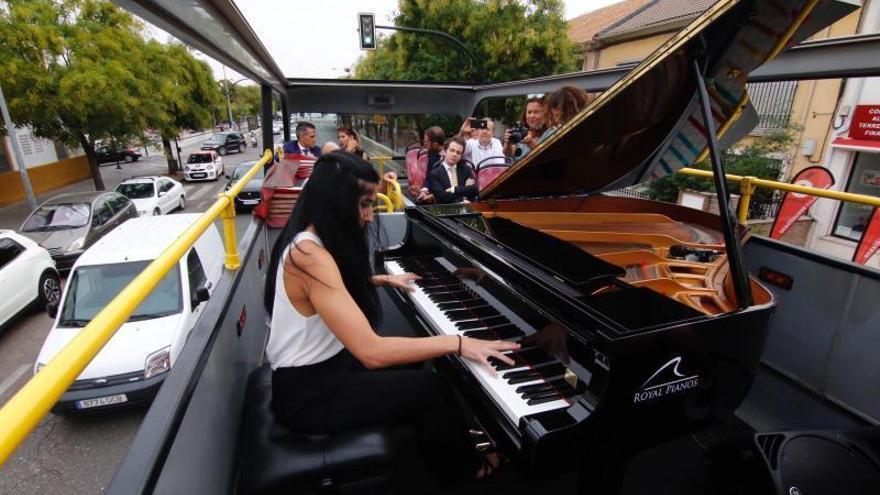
[502,393]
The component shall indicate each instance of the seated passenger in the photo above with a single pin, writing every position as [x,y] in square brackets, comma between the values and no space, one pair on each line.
[432,140]
[533,120]
[453,181]
[350,142]
[304,144]
[322,347]
[483,145]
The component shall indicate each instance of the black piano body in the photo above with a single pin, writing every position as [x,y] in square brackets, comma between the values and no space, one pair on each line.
[652,368]
[634,300]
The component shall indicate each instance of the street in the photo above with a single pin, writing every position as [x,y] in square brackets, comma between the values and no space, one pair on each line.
[79,454]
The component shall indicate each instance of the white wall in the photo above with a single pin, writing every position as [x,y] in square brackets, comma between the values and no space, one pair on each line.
[35,151]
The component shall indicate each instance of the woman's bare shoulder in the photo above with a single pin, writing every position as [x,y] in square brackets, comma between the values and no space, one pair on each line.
[315,260]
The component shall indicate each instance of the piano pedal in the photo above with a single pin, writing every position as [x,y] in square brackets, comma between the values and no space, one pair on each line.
[481,441]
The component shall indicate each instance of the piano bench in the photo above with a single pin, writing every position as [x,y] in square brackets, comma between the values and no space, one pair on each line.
[277,460]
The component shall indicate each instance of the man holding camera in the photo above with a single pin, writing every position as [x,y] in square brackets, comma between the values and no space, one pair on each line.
[483,148]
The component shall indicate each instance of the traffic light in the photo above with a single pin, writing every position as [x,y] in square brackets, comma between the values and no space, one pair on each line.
[367,25]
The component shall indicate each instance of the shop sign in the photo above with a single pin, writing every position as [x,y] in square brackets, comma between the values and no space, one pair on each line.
[865,123]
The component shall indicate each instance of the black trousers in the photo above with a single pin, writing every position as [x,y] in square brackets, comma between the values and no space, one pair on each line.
[360,398]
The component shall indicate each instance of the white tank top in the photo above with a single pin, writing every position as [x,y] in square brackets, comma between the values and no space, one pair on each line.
[294,339]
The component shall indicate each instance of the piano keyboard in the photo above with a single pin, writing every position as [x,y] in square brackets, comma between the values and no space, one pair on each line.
[535,383]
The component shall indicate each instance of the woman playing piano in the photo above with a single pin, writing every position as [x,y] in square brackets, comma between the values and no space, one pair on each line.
[322,347]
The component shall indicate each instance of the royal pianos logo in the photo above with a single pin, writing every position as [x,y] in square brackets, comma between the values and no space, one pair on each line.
[667,380]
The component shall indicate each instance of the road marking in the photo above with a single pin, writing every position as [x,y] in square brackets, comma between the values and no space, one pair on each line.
[11,379]
[202,191]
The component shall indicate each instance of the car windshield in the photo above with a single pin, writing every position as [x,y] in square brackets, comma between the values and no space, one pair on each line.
[199,158]
[217,138]
[136,190]
[57,217]
[240,171]
[92,287]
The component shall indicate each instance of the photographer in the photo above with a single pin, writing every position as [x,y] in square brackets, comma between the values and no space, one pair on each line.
[482,144]
[521,138]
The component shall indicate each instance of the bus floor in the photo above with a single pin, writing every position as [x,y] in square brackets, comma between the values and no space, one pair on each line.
[717,462]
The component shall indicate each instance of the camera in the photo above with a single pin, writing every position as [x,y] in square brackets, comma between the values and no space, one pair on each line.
[518,133]
[479,124]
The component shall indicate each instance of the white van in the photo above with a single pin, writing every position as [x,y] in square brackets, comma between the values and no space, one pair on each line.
[131,367]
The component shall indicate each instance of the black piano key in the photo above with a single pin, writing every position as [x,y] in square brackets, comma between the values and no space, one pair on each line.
[495,333]
[448,296]
[556,383]
[481,323]
[439,289]
[525,357]
[426,282]
[535,373]
[541,400]
[467,303]
[562,392]
[471,313]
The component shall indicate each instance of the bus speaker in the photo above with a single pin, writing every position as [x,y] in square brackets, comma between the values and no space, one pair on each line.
[823,462]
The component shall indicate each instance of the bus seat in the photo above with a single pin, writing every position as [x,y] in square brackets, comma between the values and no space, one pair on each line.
[277,460]
[281,188]
[489,169]
[416,166]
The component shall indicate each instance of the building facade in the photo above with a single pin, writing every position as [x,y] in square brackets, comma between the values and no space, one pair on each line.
[50,166]
[817,112]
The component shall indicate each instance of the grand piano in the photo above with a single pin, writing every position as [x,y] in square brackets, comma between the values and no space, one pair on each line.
[637,319]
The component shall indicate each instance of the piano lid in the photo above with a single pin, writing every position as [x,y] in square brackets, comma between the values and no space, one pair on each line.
[648,124]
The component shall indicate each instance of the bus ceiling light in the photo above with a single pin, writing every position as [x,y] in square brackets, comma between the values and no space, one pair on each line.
[367,29]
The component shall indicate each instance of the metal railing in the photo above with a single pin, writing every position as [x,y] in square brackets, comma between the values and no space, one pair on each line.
[21,414]
[747,185]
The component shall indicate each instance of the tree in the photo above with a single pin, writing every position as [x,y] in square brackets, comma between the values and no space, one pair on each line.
[511,39]
[186,88]
[75,70]
[246,100]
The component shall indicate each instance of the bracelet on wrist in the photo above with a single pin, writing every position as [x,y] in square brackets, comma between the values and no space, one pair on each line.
[459,345]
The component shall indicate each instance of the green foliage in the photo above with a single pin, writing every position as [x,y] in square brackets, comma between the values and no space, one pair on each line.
[511,39]
[80,71]
[186,89]
[752,159]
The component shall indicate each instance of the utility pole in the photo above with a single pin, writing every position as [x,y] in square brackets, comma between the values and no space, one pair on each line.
[19,158]
[228,106]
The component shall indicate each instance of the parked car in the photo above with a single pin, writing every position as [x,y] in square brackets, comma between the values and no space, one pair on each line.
[68,224]
[153,195]
[249,197]
[224,142]
[27,276]
[203,165]
[111,154]
[131,367]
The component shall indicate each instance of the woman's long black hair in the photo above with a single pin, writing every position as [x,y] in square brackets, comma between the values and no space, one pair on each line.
[330,202]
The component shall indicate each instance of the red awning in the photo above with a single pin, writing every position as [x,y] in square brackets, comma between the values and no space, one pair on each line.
[857,144]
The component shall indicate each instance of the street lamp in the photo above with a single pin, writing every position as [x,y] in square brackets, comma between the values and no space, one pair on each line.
[226,85]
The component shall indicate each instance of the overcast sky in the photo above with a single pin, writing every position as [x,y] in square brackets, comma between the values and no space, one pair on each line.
[322,41]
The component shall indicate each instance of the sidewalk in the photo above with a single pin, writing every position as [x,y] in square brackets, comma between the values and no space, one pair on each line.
[12,216]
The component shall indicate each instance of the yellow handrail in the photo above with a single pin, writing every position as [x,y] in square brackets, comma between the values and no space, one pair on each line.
[748,185]
[386,203]
[395,195]
[21,414]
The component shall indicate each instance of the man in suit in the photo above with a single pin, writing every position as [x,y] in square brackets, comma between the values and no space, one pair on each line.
[304,144]
[453,180]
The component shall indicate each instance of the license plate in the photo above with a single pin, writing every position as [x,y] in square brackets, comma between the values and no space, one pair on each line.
[250,201]
[101,401]
[199,176]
